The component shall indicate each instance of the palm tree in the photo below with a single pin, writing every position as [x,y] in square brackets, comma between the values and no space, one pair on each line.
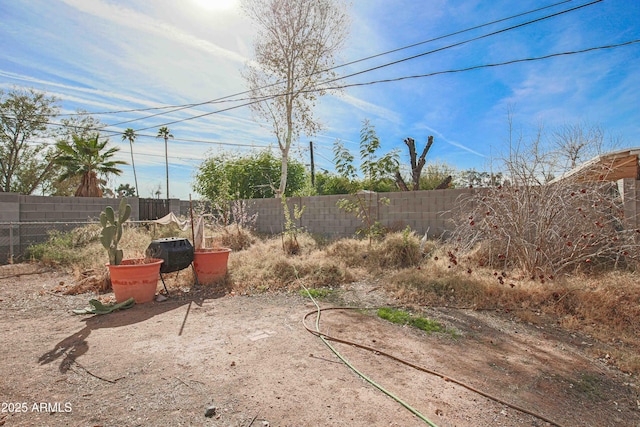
[86,158]
[130,135]
[165,133]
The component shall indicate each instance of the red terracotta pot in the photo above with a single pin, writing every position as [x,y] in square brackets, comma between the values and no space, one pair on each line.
[210,264]
[135,278]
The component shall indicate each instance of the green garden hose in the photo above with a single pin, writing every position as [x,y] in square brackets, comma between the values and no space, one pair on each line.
[354,369]
[325,338]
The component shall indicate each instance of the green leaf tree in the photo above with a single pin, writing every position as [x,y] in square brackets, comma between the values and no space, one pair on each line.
[88,158]
[227,176]
[295,50]
[375,169]
[126,190]
[130,135]
[83,125]
[25,159]
[330,183]
[165,134]
[435,173]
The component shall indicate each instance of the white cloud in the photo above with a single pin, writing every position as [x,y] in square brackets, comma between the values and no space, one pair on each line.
[369,107]
[84,90]
[140,22]
[454,143]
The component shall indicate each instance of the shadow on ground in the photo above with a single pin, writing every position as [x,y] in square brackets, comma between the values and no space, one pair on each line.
[76,344]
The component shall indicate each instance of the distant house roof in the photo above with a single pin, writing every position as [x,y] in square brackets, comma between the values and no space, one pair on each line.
[607,167]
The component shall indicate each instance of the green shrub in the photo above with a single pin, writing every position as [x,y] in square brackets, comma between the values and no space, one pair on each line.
[65,248]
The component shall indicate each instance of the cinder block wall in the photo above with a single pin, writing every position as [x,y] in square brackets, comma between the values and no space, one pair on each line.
[9,207]
[17,208]
[61,209]
[423,211]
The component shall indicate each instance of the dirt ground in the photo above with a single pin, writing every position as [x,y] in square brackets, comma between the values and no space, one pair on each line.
[209,358]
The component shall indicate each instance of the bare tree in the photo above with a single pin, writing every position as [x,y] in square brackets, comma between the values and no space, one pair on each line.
[548,155]
[295,50]
[577,143]
[417,163]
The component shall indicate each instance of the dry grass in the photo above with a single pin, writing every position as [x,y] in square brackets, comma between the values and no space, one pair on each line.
[397,250]
[266,266]
[604,306]
[232,236]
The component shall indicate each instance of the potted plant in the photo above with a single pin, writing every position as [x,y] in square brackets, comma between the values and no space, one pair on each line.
[130,278]
[210,264]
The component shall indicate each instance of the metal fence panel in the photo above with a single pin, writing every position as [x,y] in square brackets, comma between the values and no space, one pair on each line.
[17,237]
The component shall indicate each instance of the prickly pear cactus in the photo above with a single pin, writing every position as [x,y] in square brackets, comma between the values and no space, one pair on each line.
[112,230]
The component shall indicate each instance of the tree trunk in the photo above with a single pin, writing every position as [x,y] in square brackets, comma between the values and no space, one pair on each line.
[283,174]
[285,151]
[166,156]
[401,184]
[89,186]
[416,166]
[133,165]
[444,184]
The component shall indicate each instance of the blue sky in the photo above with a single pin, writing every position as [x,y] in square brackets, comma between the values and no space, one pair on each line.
[105,56]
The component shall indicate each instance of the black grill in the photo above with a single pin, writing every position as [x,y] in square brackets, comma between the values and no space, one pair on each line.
[177,253]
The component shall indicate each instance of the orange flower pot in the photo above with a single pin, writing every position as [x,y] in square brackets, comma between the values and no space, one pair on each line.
[210,264]
[135,278]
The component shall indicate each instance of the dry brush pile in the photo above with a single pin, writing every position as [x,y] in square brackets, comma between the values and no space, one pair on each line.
[547,230]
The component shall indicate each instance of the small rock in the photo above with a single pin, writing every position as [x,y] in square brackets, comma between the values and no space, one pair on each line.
[161,298]
[210,412]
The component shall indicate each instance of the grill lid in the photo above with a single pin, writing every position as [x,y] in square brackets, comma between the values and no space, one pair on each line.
[176,252]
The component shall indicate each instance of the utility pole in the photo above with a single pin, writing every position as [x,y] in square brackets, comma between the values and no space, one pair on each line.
[313,168]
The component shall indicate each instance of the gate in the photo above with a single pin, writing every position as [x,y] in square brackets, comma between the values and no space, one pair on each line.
[150,209]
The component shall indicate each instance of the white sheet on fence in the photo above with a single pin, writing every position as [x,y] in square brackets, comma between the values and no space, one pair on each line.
[198,231]
[198,238]
[171,217]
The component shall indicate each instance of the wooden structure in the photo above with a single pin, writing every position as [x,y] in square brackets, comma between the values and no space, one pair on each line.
[152,209]
[607,167]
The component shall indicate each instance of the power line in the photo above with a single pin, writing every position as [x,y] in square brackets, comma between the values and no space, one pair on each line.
[553,15]
[497,64]
[419,76]
[218,100]
[435,73]
[454,33]
[317,88]
[114,133]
